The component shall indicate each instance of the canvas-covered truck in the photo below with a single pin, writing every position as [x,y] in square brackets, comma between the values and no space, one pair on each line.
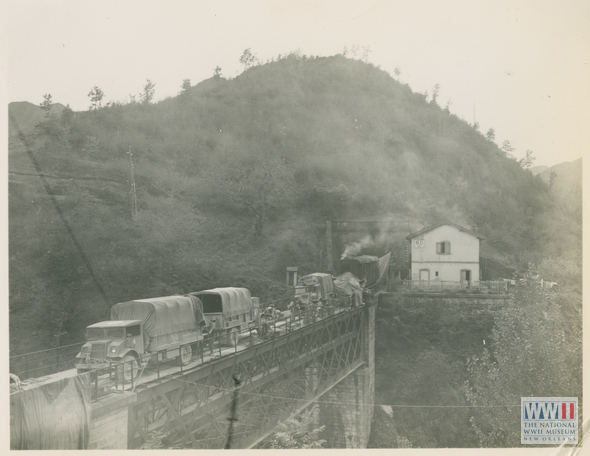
[164,327]
[365,268]
[230,310]
[315,287]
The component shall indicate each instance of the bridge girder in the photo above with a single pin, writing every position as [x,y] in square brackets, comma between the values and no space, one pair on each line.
[193,408]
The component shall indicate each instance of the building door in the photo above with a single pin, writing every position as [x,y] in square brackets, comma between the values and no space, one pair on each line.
[424,277]
[465,278]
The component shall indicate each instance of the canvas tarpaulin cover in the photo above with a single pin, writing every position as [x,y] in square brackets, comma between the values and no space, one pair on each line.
[383,267]
[347,284]
[161,316]
[325,281]
[235,301]
[364,267]
[55,416]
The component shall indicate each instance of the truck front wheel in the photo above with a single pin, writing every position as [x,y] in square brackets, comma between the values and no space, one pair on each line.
[126,370]
[186,354]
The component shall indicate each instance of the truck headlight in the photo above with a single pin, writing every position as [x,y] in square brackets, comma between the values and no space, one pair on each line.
[113,349]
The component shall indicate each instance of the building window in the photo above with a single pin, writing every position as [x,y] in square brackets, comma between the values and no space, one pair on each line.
[443,248]
[436,274]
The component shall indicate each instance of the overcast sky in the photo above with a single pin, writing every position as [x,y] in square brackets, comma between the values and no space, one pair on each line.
[520,67]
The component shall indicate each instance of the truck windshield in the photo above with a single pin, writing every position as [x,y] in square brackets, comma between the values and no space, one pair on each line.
[95,333]
[116,333]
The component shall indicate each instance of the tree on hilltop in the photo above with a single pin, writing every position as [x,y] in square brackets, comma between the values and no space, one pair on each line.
[507,148]
[46,104]
[149,90]
[186,85]
[435,92]
[96,95]
[248,59]
[528,160]
[366,52]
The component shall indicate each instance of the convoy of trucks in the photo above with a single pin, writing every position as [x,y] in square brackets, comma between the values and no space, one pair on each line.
[168,328]
[164,328]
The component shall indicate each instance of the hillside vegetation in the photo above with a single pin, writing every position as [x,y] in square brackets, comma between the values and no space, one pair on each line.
[234,182]
[453,374]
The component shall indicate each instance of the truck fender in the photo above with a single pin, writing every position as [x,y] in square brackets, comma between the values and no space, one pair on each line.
[131,353]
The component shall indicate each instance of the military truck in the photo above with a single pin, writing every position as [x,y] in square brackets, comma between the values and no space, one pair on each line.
[315,287]
[230,310]
[143,330]
[364,267]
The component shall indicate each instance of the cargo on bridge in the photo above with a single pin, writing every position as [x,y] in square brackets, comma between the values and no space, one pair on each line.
[315,287]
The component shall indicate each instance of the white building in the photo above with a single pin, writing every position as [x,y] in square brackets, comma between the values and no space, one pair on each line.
[447,253]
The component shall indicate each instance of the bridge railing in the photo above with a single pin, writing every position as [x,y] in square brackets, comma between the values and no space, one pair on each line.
[446,286]
[211,348]
[44,362]
[219,343]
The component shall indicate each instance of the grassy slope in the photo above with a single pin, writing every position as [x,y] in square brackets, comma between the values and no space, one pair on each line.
[355,142]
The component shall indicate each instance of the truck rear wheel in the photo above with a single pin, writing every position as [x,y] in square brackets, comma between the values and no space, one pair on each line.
[186,354]
[126,370]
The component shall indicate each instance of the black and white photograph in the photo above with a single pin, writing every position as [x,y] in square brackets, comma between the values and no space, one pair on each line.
[301,225]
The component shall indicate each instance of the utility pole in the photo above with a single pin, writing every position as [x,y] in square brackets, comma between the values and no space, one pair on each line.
[232,418]
[132,194]
[329,265]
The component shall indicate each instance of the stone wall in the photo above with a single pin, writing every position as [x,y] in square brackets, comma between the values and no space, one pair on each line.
[109,422]
[475,301]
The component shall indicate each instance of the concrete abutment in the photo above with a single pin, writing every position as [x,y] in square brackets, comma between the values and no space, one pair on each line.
[109,422]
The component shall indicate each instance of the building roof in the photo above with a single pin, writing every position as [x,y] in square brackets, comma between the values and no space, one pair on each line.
[430,228]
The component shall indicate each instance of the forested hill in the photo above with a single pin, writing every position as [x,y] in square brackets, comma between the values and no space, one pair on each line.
[235,180]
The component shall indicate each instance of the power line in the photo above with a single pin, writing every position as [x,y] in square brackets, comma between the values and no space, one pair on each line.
[270,396]
[57,207]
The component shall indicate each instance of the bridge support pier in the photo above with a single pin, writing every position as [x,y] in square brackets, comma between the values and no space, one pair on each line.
[108,422]
[347,409]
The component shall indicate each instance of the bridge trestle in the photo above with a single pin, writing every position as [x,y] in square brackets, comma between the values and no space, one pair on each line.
[192,408]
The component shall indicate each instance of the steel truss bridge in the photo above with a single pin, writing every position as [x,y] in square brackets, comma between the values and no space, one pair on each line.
[277,379]
[271,379]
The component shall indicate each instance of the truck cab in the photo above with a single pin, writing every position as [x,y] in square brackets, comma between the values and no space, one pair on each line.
[110,341]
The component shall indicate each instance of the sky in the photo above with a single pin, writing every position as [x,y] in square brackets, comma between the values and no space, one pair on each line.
[519,67]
